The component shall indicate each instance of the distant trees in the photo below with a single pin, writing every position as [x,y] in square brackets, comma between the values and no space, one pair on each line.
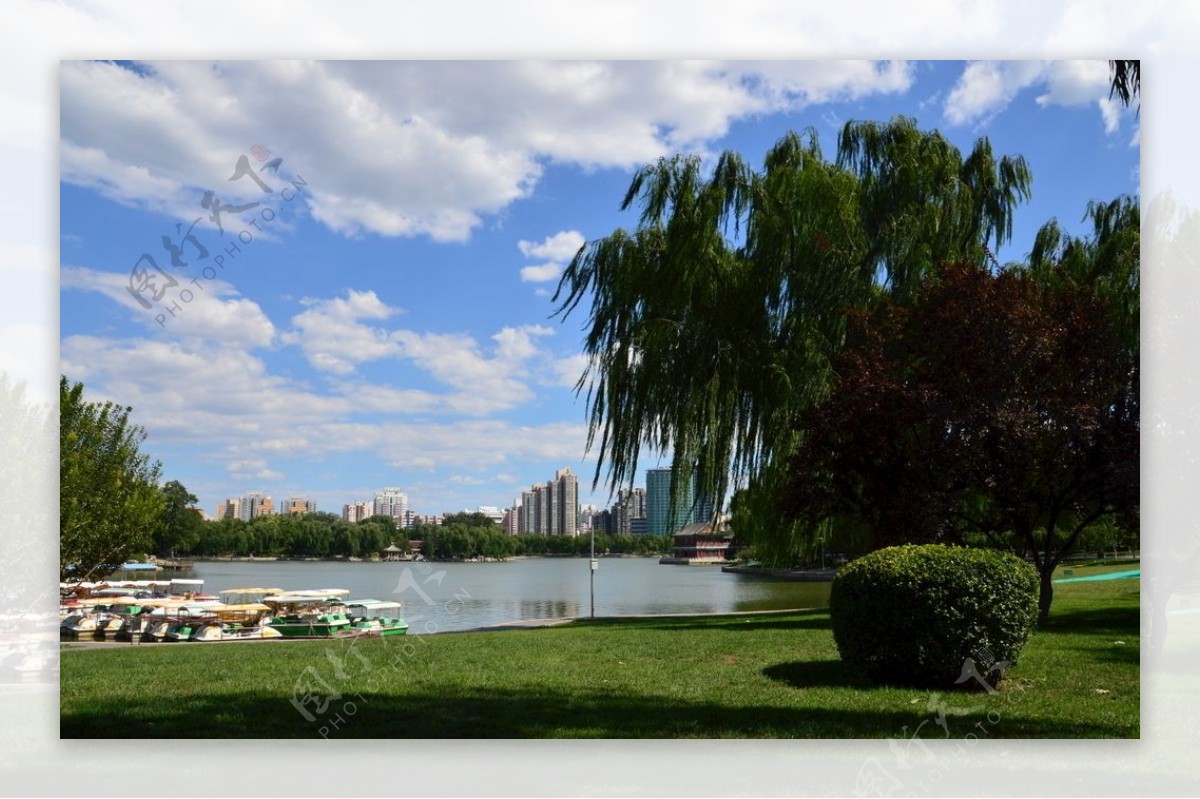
[110,502]
[178,529]
[310,535]
[467,519]
[321,535]
[457,541]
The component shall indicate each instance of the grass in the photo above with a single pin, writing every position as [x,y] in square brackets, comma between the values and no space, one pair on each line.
[762,675]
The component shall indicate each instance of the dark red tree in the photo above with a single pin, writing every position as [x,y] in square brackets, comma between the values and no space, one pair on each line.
[994,403]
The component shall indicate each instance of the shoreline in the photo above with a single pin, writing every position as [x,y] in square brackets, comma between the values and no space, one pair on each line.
[504,626]
[285,559]
[793,575]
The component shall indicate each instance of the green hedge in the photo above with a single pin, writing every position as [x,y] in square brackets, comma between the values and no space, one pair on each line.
[912,615]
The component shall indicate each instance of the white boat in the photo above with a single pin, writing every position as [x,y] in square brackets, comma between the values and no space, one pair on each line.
[375,617]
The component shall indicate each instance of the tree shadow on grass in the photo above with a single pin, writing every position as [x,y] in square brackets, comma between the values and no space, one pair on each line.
[815,674]
[479,712]
[1115,621]
[1122,655]
[799,620]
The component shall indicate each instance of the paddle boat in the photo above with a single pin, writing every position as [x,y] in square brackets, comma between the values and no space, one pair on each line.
[167,620]
[236,622]
[309,614]
[375,617]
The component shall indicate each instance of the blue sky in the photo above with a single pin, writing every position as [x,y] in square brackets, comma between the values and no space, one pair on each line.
[391,324]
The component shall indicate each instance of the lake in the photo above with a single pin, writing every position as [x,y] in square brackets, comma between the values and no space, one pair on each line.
[442,597]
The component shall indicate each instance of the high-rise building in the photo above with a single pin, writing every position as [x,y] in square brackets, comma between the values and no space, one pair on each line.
[254,504]
[592,519]
[391,502]
[492,512]
[358,511]
[630,505]
[568,501]
[298,506]
[526,523]
[512,520]
[663,518]
[227,510]
[551,508]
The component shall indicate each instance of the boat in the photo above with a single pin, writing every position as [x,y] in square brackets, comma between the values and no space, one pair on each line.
[134,625]
[109,626]
[77,624]
[216,631]
[166,620]
[236,622]
[375,617]
[112,617]
[238,596]
[309,614]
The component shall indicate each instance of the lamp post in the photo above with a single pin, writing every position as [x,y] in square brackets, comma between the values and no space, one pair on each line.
[592,564]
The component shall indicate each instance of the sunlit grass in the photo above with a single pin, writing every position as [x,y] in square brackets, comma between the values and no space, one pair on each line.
[761,675]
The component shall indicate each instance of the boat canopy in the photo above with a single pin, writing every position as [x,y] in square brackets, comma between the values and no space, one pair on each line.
[372,605]
[183,609]
[307,597]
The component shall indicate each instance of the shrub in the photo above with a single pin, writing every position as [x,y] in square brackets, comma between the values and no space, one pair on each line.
[912,615]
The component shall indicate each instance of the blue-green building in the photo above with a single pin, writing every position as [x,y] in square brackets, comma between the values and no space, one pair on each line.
[659,519]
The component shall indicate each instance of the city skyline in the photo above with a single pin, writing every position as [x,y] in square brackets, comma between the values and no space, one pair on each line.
[351,301]
[629,512]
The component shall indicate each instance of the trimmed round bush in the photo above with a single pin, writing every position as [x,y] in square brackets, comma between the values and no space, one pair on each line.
[913,615]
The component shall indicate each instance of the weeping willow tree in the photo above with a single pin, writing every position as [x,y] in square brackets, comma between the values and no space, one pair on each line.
[1108,260]
[714,322]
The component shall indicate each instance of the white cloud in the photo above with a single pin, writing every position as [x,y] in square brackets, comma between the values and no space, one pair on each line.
[252,469]
[388,399]
[986,88]
[788,84]
[541,274]
[482,384]
[1110,111]
[1074,83]
[412,148]
[332,336]
[206,317]
[334,339]
[243,418]
[201,393]
[560,247]
[515,344]
[567,371]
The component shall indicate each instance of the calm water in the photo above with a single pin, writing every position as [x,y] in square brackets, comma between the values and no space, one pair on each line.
[439,597]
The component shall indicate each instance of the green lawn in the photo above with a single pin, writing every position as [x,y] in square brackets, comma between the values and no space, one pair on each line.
[765,675]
